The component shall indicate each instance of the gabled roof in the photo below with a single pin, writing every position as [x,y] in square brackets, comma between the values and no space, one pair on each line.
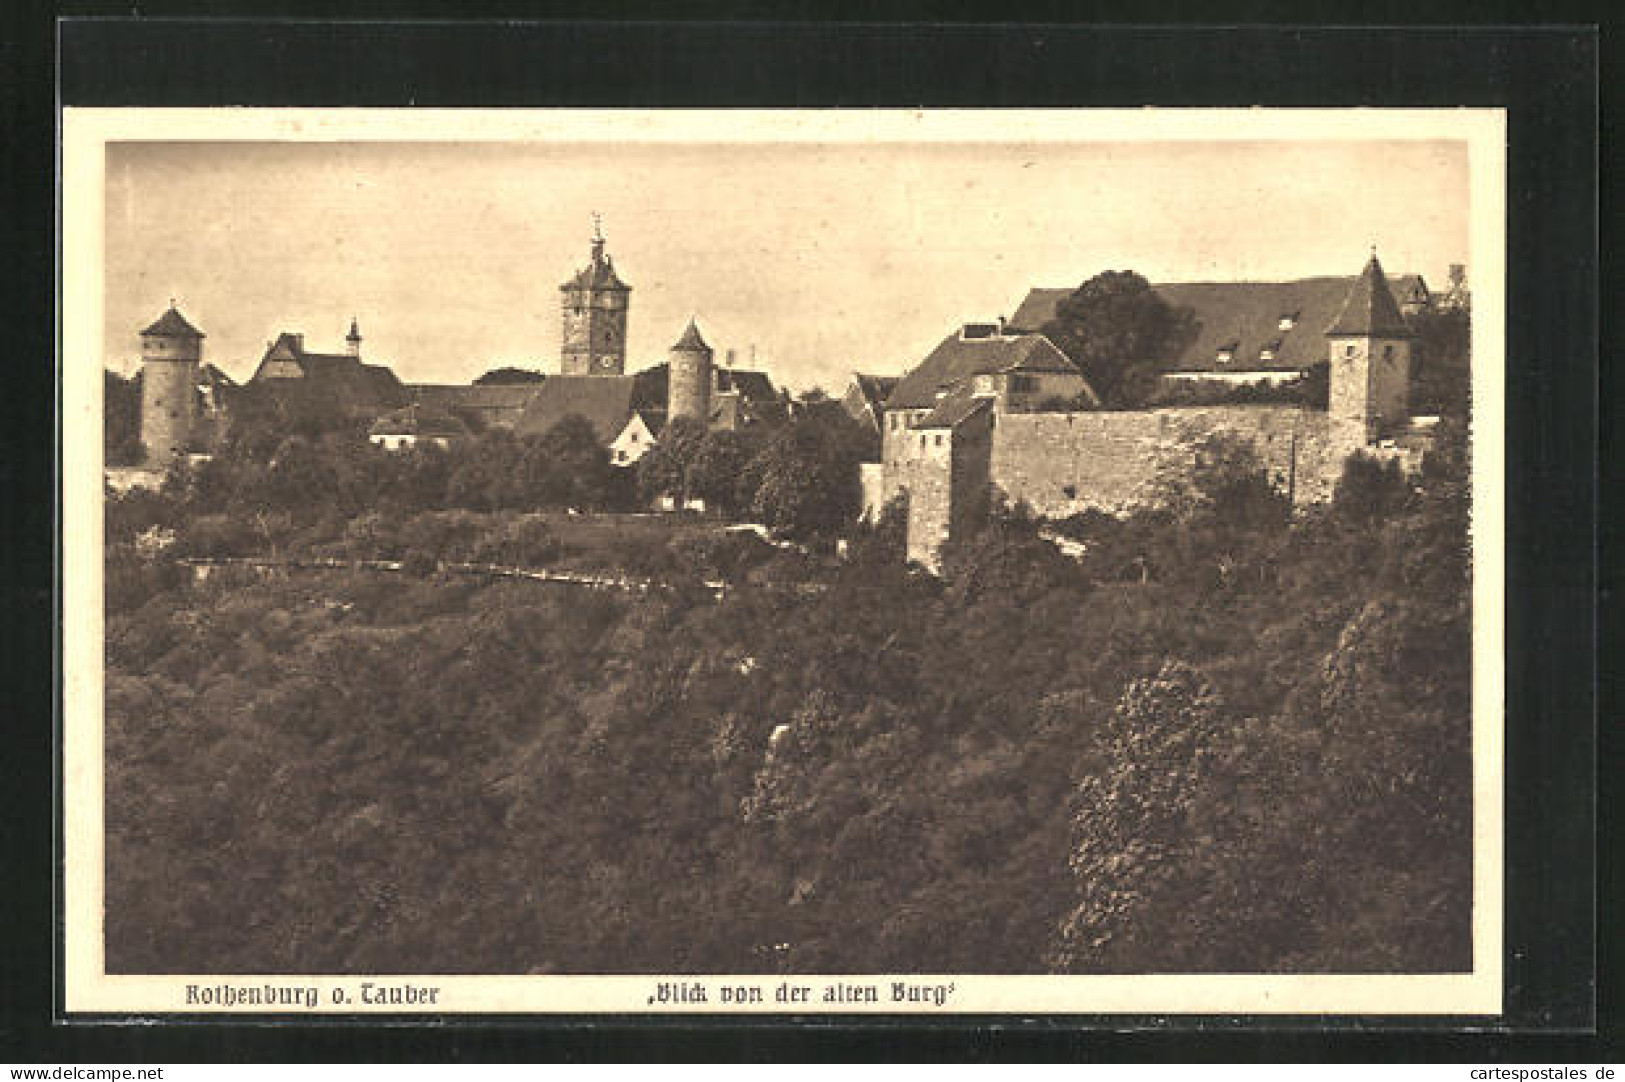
[414,420]
[172,325]
[956,359]
[1369,308]
[954,410]
[1245,315]
[209,374]
[606,402]
[875,389]
[653,421]
[478,396]
[754,387]
[338,377]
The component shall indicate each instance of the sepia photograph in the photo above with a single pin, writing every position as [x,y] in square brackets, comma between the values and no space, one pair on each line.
[783,561]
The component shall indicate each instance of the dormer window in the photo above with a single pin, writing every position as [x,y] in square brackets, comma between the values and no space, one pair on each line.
[1287,321]
[975,331]
[1227,352]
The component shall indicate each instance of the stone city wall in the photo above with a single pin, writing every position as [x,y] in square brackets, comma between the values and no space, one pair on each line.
[1062,463]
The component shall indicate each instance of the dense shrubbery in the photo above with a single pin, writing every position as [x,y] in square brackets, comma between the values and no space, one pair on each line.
[1223,740]
[800,478]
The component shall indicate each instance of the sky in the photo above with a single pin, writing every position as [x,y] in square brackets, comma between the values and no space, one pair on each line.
[818,259]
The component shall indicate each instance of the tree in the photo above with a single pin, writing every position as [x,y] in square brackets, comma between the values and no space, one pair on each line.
[1151,834]
[121,419]
[569,466]
[1370,489]
[1442,376]
[1117,329]
[808,479]
[508,375]
[663,470]
[714,470]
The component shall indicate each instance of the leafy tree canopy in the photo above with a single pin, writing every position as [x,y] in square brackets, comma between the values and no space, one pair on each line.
[1117,329]
[509,374]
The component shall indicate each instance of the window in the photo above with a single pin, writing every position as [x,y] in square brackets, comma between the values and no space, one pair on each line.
[1348,351]
[939,439]
[1022,384]
[1388,353]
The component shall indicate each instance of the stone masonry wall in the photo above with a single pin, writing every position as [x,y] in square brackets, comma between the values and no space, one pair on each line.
[1062,463]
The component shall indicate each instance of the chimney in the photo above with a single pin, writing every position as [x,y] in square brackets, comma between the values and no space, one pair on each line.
[1458,273]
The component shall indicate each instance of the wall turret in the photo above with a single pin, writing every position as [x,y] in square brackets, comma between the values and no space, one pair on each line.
[1370,354]
[171,351]
[688,383]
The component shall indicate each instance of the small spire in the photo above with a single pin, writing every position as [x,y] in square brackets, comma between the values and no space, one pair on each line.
[355,330]
[691,339]
[597,238]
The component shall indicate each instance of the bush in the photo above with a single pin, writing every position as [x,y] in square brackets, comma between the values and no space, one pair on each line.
[216,537]
[526,541]
[442,535]
[721,555]
[1370,489]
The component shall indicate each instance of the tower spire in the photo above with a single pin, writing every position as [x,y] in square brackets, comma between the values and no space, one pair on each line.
[597,238]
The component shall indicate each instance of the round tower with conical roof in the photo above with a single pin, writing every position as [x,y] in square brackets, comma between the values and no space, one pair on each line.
[171,351]
[688,378]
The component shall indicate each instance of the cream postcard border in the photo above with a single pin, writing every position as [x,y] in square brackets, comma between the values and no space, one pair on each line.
[84,133]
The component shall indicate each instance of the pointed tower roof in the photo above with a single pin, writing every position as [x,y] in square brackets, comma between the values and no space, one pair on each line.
[355,331]
[172,325]
[691,342]
[599,273]
[1369,310]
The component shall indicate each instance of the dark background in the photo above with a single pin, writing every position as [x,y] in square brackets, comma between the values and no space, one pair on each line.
[1548,80]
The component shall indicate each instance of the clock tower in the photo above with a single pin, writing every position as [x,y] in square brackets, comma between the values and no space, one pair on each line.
[594,303]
